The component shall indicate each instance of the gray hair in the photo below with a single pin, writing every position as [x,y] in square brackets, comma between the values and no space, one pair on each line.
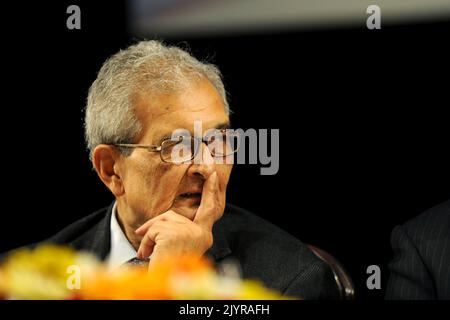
[147,65]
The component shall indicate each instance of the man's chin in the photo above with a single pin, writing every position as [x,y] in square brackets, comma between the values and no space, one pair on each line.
[186,210]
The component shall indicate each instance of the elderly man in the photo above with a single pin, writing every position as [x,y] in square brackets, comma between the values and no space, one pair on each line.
[169,203]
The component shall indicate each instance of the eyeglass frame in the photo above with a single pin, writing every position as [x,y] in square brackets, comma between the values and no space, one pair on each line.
[155,148]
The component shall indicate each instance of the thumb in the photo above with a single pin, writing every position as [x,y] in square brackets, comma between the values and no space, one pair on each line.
[205,215]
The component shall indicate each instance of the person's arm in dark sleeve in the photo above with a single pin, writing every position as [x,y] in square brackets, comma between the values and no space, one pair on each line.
[409,278]
[316,282]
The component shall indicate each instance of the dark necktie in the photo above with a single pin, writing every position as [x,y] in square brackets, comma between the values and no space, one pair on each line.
[136,262]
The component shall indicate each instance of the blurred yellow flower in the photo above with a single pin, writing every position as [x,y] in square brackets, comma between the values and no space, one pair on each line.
[41,273]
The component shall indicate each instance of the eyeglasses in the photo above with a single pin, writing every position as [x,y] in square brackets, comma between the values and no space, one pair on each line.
[180,149]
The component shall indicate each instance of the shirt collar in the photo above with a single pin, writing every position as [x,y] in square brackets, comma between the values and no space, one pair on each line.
[121,249]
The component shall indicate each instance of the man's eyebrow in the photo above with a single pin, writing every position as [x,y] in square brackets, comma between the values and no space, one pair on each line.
[221,126]
[164,137]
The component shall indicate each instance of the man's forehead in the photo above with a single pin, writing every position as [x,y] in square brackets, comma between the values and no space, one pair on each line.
[200,96]
[173,112]
[202,118]
[161,114]
[165,130]
[186,117]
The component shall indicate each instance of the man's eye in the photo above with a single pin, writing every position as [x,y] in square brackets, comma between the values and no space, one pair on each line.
[173,142]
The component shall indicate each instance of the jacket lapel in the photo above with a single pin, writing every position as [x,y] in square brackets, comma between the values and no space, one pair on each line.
[97,239]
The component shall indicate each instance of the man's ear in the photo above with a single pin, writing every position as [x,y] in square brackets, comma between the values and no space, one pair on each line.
[105,159]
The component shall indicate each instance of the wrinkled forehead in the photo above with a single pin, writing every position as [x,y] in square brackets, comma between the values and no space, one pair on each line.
[161,114]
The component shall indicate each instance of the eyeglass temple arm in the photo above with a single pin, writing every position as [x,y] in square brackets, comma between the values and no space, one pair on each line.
[145,146]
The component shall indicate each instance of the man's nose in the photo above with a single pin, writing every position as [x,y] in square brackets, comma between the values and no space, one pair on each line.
[203,163]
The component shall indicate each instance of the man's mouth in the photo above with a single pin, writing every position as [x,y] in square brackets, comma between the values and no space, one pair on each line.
[192,198]
[190,195]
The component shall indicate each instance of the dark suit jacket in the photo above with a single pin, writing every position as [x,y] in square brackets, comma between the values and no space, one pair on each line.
[421,265]
[263,251]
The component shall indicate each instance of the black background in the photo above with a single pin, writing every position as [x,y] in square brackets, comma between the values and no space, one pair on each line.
[362,115]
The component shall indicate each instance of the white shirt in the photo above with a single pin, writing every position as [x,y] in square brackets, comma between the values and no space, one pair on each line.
[121,249]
